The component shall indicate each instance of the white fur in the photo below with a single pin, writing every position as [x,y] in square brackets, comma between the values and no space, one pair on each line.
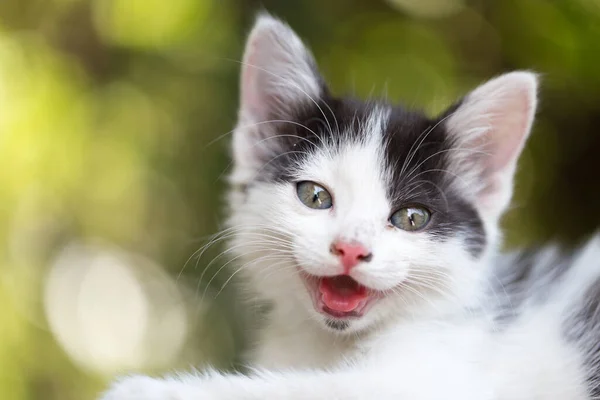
[425,339]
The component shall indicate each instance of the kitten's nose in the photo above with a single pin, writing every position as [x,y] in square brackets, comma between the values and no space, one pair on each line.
[351,254]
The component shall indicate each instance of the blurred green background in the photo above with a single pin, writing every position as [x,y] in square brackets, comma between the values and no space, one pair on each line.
[109,181]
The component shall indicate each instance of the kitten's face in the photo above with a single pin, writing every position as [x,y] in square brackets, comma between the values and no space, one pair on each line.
[349,213]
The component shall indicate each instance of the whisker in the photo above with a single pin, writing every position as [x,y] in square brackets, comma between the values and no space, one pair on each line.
[245,266]
[278,156]
[224,266]
[424,135]
[413,170]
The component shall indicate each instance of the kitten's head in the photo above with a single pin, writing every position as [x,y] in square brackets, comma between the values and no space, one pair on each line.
[352,212]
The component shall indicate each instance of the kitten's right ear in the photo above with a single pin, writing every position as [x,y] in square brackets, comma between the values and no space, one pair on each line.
[278,77]
[278,72]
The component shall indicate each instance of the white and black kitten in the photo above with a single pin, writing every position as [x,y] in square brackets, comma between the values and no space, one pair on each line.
[373,230]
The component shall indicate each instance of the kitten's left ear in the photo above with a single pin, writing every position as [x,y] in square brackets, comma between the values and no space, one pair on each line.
[489,129]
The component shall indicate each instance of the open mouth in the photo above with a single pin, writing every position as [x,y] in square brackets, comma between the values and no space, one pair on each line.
[339,296]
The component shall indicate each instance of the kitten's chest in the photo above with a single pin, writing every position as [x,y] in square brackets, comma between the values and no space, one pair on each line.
[280,348]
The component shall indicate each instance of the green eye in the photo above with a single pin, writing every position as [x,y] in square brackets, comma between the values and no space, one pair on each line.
[313,195]
[411,218]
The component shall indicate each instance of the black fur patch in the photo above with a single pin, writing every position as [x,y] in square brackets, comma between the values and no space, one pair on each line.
[311,127]
[417,150]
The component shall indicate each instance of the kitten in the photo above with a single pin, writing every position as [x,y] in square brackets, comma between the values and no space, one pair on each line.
[372,230]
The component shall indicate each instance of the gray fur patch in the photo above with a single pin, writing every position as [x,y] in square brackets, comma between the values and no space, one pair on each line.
[583,329]
[526,277]
[337,325]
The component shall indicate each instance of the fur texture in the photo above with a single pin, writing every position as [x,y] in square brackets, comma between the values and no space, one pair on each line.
[447,316]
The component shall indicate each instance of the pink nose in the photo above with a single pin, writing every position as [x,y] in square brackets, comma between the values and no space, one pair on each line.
[351,254]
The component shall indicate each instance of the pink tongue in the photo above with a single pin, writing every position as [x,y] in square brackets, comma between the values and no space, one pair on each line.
[342,293]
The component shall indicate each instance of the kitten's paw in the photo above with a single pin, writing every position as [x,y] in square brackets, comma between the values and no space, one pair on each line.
[141,388]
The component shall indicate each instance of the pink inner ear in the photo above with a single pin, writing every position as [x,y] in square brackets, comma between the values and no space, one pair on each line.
[495,119]
[494,122]
[510,124]
[250,94]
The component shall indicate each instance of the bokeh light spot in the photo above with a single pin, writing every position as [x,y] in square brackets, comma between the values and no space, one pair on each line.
[106,317]
[148,23]
[428,8]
